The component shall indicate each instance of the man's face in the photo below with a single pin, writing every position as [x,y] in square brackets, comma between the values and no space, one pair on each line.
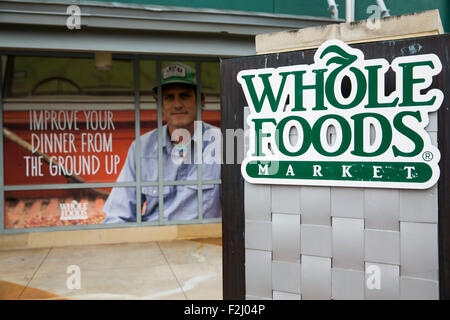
[179,106]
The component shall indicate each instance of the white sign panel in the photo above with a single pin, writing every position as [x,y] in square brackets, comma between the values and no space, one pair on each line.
[304,130]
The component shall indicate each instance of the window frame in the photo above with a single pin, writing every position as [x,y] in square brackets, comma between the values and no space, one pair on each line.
[138,183]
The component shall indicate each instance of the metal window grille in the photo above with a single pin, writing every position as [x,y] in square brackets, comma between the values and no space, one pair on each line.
[138,184]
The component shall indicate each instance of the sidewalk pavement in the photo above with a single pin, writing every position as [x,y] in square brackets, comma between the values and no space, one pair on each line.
[175,270]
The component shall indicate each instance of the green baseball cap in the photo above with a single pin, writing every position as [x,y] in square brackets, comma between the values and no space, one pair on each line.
[178,73]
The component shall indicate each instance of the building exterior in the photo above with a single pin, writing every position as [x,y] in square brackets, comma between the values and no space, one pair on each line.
[77,90]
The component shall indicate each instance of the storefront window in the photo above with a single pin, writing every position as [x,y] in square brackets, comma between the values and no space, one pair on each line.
[69,143]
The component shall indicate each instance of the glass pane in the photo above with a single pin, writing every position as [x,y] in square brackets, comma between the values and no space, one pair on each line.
[175,164]
[181,202]
[212,152]
[120,206]
[49,208]
[179,103]
[210,78]
[67,146]
[149,121]
[212,207]
[68,77]
[147,82]
[211,117]
[149,145]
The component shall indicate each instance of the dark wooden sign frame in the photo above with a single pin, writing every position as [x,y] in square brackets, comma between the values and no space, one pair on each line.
[232,102]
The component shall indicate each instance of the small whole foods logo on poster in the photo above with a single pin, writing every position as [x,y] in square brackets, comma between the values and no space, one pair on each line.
[74,210]
[304,130]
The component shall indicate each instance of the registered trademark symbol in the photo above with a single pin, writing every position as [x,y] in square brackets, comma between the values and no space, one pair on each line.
[427,156]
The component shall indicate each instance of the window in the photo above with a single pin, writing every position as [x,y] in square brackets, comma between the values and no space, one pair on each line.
[84,145]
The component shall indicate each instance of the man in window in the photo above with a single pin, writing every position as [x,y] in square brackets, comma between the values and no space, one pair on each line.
[179,158]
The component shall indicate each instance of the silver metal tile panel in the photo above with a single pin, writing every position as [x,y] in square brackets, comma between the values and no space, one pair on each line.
[348,243]
[258,235]
[419,250]
[315,240]
[258,273]
[286,237]
[382,246]
[347,202]
[286,199]
[347,284]
[382,281]
[315,205]
[381,209]
[419,205]
[418,289]
[286,276]
[257,201]
[279,295]
[316,278]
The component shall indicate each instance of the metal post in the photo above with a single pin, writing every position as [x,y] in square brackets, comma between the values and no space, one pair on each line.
[349,10]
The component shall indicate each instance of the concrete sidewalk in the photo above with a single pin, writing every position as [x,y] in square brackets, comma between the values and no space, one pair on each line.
[178,270]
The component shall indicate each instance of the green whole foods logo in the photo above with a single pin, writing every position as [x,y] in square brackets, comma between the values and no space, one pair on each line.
[303,130]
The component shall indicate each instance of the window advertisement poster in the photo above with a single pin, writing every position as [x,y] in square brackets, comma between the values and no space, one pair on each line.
[67,125]
[43,147]
[69,120]
[59,146]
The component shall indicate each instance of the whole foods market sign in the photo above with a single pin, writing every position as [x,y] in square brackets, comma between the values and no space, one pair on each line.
[378,140]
